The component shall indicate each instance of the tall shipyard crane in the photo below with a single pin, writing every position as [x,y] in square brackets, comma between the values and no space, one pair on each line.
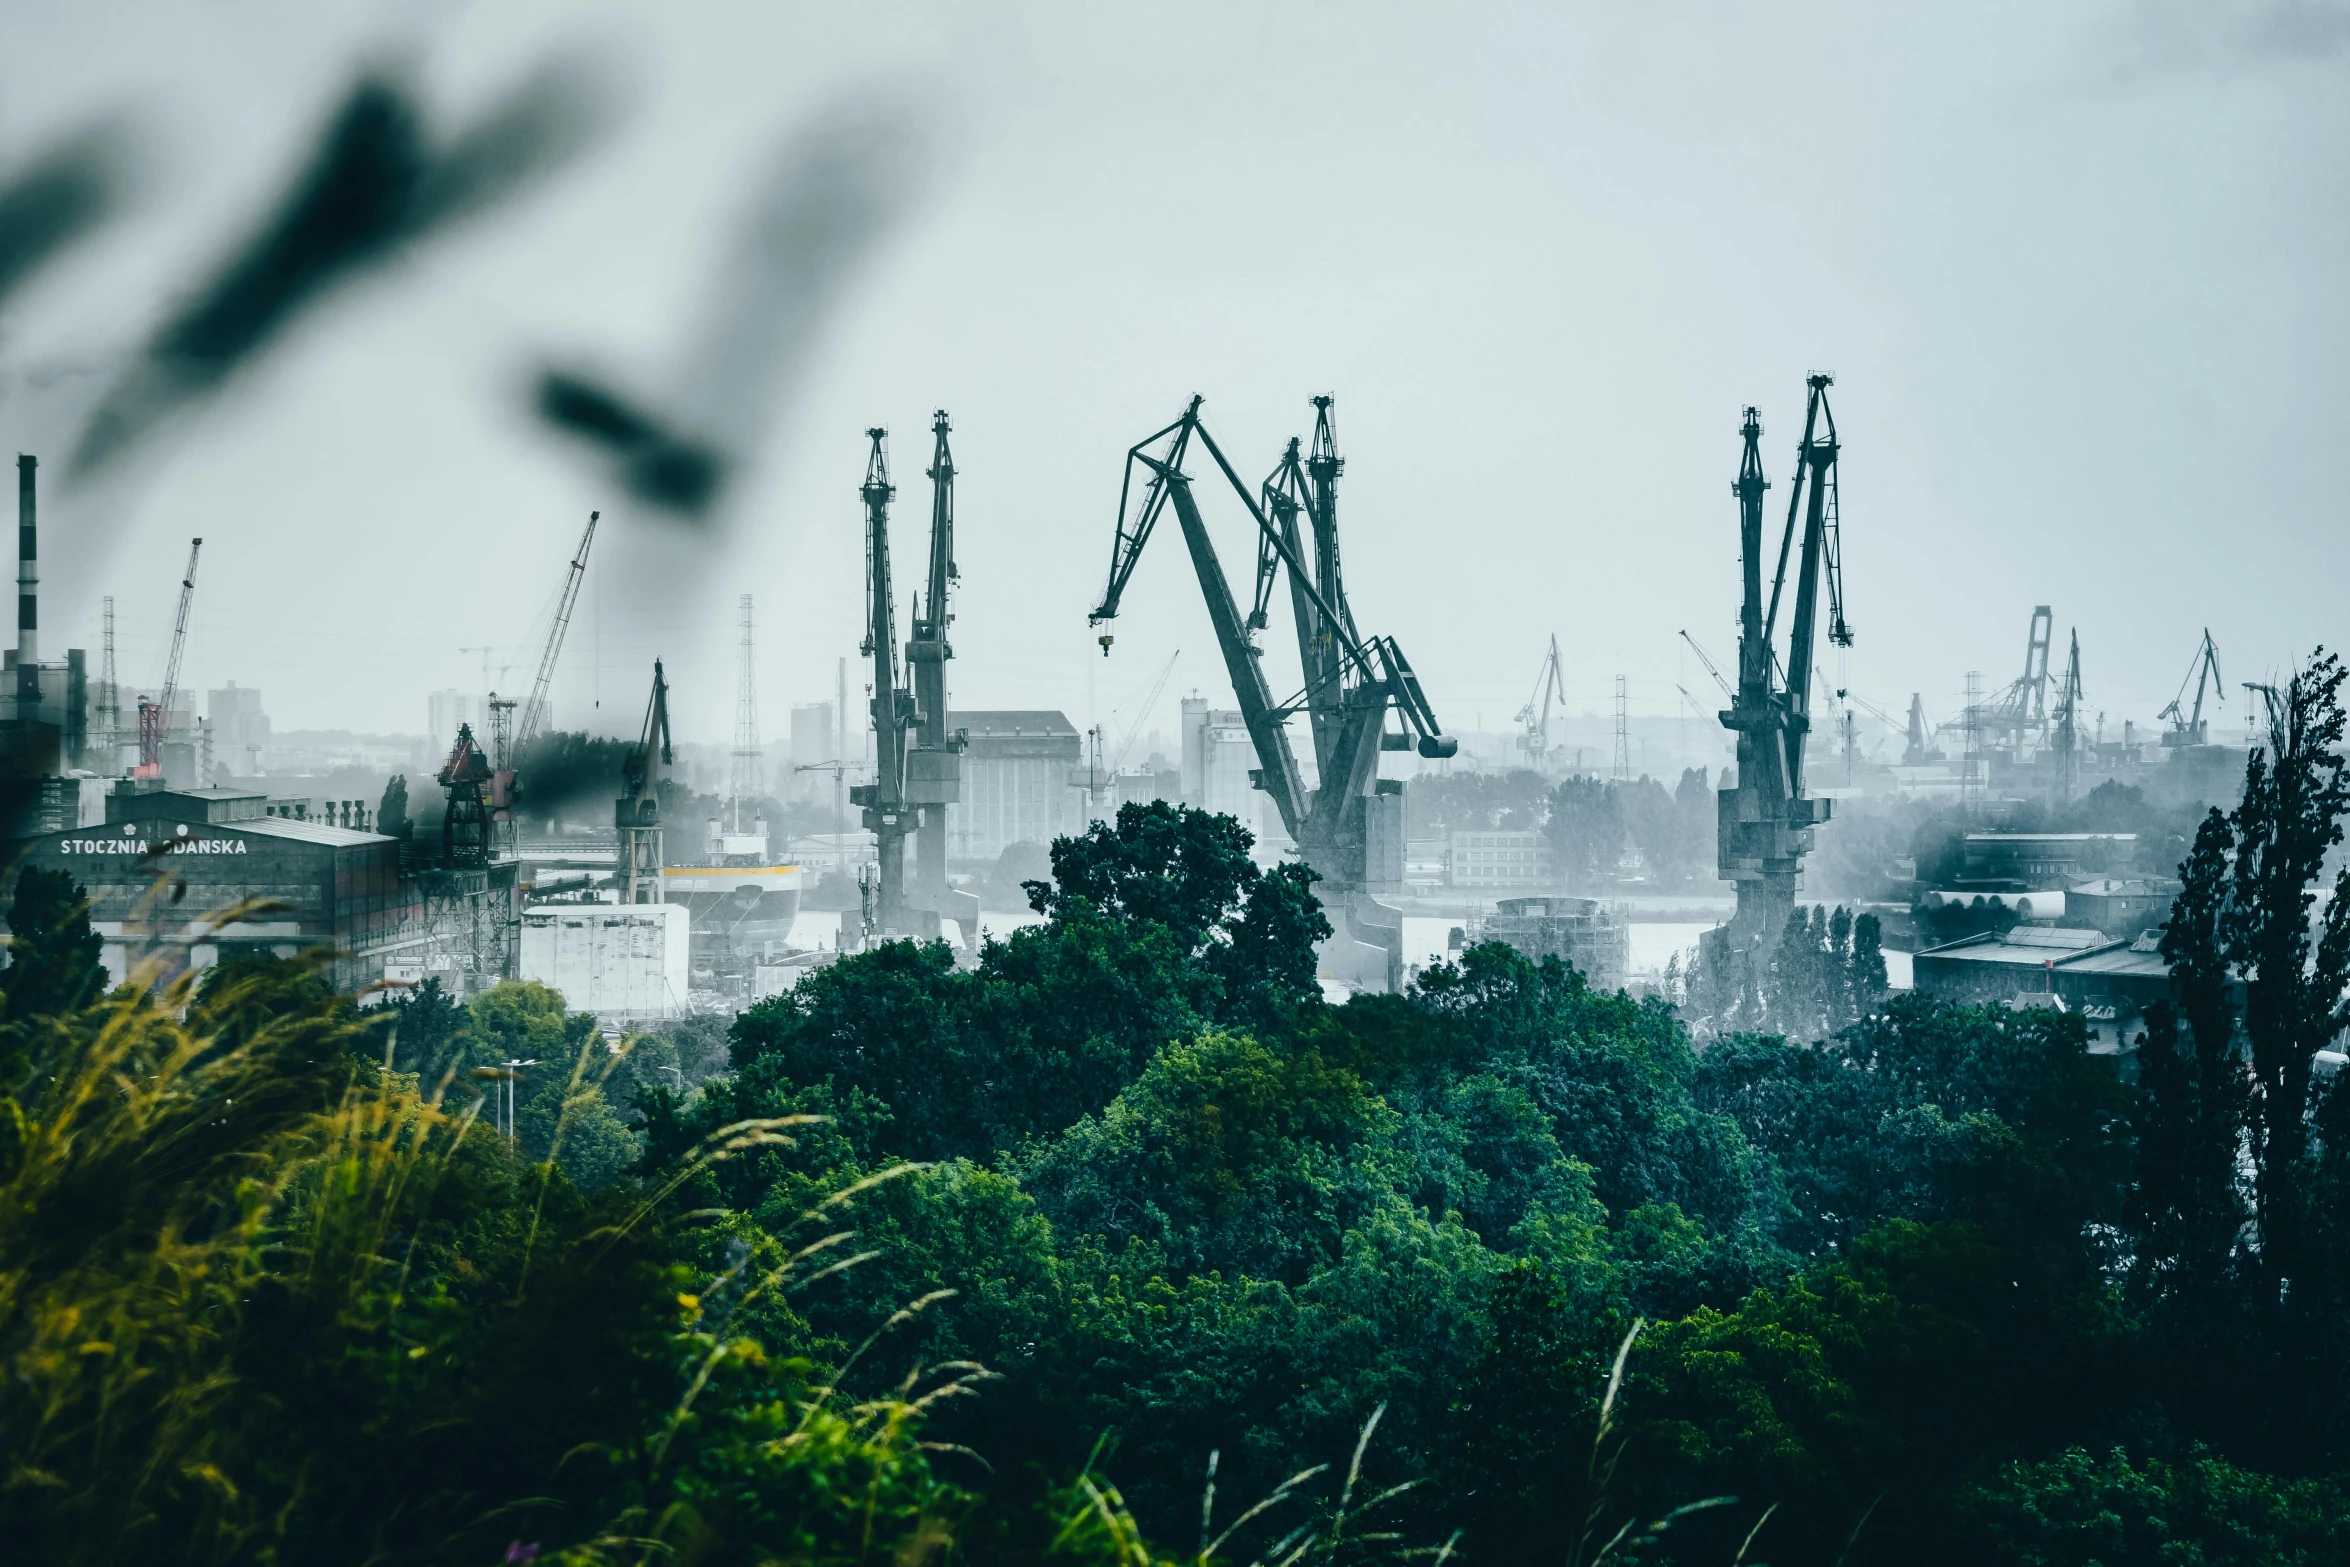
[2192,728]
[1766,819]
[534,712]
[933,764]
[1550,685]
[2064,737]
[155,716]
[510,736]
[2015,717]
[1349,828]
[888,815]
[636,814]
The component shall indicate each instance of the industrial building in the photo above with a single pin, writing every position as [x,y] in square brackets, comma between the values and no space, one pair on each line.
[1485,859]
[2108,981]
[1580,932]
[2038,861]
[452,710]
[1016,787]
[2121,906]
[240,729]
[623,962]
[1218,759]
[335,886]
[814,741]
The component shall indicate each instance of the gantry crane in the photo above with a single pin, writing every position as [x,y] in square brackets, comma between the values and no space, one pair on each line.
[1766,819]
[636,814]
[888,815]
[2191,728]
[2017,713]
[1550,684]
[934,762]
[1350,681]
[155,716]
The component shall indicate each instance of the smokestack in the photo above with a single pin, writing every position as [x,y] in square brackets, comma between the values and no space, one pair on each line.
[28,594]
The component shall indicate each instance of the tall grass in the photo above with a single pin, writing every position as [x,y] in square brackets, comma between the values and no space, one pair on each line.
[260,1301]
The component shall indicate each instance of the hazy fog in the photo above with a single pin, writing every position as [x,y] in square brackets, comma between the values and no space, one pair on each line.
[2078,272]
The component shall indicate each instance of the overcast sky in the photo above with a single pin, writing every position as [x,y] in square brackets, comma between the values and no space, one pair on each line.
[2078,270]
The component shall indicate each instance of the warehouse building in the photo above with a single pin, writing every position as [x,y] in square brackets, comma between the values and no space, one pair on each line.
[1486,858]
[1016,787]
[338,887]
[2121,906]
[2110,981]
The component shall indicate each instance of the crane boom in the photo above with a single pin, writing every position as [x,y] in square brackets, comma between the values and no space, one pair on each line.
[534,713]
[153,716]
[179,626]
[1329,824]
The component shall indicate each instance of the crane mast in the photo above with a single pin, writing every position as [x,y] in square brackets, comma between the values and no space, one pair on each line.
[154,716]
[1766,819]
[636,814]
[1307,484]
[934,764]
[887,814]
[2065,732]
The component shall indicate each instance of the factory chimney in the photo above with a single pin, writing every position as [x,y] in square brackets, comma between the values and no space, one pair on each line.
[28,594]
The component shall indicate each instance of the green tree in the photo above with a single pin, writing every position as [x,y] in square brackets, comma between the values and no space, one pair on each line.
[1586,831]
[391,814]
[2295,796]
[2189,1200]
[2082,1509]
[1171,865]
[54,958]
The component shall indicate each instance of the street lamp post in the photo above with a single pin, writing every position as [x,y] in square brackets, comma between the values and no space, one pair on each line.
[511,1072]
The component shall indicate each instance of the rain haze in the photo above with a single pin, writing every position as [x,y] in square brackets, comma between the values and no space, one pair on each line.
[977,783]
[2076,272]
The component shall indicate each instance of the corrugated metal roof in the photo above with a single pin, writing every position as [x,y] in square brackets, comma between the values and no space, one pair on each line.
[2147,965]
[2025,946]
[2054,938]
[306,832]
[2049,837]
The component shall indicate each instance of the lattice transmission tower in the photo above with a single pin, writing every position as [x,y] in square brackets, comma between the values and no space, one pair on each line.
[743,783]
[1623,772]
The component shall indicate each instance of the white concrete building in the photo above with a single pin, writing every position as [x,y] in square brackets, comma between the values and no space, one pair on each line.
[1500,859]
[616,960]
